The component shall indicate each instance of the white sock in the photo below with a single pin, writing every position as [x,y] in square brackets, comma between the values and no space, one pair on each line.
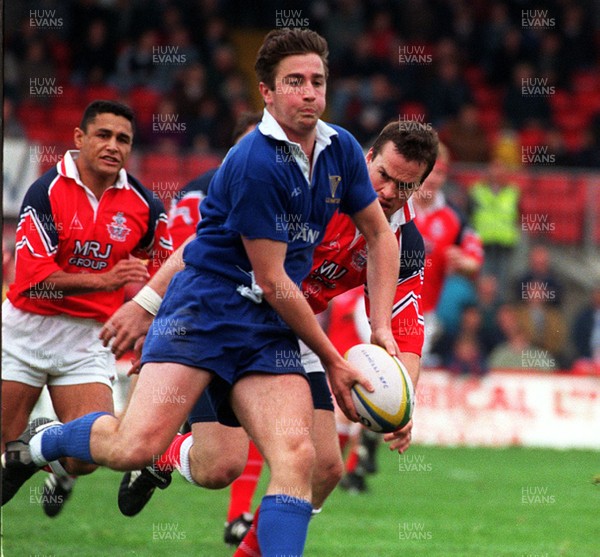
[184,459]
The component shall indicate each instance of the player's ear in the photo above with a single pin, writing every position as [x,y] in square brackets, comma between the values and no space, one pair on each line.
[266,92]
[369,155]
[78,137]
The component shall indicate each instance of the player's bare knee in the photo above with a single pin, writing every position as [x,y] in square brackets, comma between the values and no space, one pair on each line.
[329,473]
[215,473]
[216,478]
[299,455]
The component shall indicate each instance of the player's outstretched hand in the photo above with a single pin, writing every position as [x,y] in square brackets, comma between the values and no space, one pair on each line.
[399,440]
[342,377]
[385,339]
[125,327]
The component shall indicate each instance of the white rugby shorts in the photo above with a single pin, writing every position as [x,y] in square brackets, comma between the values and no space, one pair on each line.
[43,350]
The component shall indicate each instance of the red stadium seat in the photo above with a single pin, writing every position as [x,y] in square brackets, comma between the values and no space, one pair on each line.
[144,102]
[195,165]
[162,172]
[32,114]
[101,92]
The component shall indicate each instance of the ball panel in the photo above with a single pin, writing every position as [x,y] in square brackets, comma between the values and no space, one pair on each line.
[390,406]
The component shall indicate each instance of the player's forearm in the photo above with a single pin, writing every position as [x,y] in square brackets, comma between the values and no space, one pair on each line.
[383,267]
[160,280]
[71,283]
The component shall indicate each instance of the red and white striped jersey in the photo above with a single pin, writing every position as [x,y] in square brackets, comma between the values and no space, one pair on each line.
[339,265]
[63,226]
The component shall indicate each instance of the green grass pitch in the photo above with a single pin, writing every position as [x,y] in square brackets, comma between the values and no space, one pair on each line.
[434,502]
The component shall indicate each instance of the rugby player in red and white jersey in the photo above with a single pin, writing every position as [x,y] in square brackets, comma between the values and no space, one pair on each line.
[451,246]
[83,230]
[398,162]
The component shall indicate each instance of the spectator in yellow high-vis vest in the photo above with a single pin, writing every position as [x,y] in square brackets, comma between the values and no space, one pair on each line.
[494,214]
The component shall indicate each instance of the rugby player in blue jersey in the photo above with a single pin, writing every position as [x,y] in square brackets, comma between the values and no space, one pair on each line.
[236,308]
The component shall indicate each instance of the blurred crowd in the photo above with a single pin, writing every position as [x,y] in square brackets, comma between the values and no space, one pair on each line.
[461,66]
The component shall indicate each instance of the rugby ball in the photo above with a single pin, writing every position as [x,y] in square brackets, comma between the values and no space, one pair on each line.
[390,405]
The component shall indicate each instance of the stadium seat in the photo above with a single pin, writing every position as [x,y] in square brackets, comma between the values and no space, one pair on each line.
[158,172]
[195,165]
[144,102]
[104,92]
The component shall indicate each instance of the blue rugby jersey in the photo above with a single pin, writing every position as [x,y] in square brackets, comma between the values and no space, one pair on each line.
[263,189]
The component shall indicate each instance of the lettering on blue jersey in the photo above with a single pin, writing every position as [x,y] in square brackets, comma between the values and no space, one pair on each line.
[306,234]
[117,230]
[334,182]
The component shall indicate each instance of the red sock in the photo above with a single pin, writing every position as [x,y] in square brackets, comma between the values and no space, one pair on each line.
[242,489]
[352,461]
[170,458]
[249,546]
[343,438]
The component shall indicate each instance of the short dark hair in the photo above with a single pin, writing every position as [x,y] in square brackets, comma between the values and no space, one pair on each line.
[414,140]
[280,43]
[101,107]
[245,120]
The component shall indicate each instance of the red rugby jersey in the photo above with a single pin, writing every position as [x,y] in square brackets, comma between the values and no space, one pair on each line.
[63,226]
[442,226]
[339,265]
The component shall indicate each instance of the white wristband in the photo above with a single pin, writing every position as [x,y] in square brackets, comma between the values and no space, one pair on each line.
[148,299]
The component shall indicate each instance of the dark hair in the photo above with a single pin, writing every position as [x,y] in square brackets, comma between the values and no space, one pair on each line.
[280,43]
[101,107]
[245,120]
[414,140]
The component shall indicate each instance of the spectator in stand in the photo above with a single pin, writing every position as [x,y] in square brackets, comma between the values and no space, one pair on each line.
[465,137]
[36,71]
[542,322]
[467,358]
[494,214]
[189,88]
[526,98]
[551,61]
[166,132]
[94,59]
[585,330]
[588,155]
[137,67]
[446,92]
[539,276]
[578,35]
[12,128]
[555,141]
[489,303]
[512,51]
[451,247]
[517,351]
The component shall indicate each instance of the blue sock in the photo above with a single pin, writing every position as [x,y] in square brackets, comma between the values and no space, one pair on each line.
[70,439]
[283,525]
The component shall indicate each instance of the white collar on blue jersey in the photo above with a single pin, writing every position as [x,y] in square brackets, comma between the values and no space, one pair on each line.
[70,170]
[271,128]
